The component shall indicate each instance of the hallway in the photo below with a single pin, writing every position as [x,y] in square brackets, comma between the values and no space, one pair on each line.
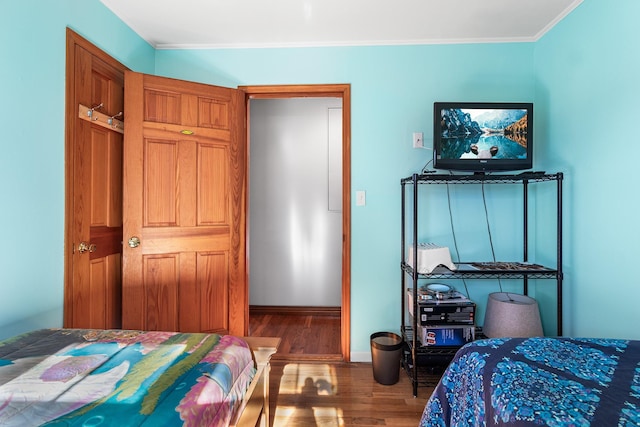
[303,335]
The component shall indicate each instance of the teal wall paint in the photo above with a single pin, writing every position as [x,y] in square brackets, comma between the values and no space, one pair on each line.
[581,75]
[587,91]
[392,91]
[32,90]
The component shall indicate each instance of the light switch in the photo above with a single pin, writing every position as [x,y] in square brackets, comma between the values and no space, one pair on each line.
[361,198]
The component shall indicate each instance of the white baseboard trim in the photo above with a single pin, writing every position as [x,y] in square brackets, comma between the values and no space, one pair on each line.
[361,356]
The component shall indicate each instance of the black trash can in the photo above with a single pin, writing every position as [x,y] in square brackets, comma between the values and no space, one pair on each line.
[386,352]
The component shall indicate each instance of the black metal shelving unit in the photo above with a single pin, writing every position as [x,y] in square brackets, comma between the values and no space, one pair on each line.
[419,361]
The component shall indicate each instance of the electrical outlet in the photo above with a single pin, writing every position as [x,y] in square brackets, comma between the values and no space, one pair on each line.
[418,140]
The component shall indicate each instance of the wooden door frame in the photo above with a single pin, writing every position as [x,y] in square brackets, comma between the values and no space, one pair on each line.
[342,91]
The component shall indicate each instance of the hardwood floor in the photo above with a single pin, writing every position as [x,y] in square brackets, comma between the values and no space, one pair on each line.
[310,388]
[303,334]
[340,394]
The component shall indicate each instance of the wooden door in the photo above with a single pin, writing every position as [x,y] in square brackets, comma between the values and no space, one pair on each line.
[184,202]
[93,189]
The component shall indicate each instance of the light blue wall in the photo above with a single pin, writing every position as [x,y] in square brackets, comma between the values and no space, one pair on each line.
[32,99]
[581,76]
[393,90]
[587,90]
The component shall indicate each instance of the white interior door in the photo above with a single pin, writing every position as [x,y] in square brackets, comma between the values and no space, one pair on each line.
[295,202]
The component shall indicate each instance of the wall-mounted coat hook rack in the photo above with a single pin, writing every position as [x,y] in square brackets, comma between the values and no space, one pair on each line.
[104,120]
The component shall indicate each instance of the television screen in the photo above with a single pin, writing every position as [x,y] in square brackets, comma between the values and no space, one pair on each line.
[472,136]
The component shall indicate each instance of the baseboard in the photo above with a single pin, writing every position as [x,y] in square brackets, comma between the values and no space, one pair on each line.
[361,356]
[294,310]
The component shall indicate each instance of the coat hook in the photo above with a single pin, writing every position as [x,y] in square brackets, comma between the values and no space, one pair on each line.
[110,119]
[97,107]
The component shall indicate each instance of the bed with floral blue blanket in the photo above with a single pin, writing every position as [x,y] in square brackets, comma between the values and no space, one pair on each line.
[73,377]
[539,382]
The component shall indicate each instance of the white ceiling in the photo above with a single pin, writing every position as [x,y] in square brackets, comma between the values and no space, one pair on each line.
[193,24]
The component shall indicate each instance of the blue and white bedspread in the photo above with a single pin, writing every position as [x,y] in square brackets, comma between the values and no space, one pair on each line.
[539,382]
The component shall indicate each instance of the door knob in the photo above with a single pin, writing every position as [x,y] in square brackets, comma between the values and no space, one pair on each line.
[134,242]
[87,247]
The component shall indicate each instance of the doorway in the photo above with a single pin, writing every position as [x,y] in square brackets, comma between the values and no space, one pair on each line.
[302,290]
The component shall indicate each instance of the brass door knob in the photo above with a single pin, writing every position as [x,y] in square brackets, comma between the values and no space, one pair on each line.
[134,242]
[87,247]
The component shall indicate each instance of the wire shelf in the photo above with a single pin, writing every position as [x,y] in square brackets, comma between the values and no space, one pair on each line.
[436,178]
[484,270]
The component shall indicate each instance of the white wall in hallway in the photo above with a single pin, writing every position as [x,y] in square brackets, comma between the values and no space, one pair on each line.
[295,195]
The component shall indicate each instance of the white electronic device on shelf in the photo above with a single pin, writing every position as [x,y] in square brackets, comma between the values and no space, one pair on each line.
[430,256]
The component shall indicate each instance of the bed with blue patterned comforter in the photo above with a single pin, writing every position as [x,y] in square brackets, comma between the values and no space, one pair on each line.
[539,382]
[73,377]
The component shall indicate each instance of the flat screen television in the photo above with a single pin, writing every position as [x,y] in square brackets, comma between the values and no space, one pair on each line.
[483,136]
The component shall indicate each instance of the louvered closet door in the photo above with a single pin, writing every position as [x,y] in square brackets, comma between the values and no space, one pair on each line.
[184,203]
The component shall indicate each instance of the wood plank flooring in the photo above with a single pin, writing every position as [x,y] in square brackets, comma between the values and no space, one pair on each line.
[301,334]
[309,389]
[340,394]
